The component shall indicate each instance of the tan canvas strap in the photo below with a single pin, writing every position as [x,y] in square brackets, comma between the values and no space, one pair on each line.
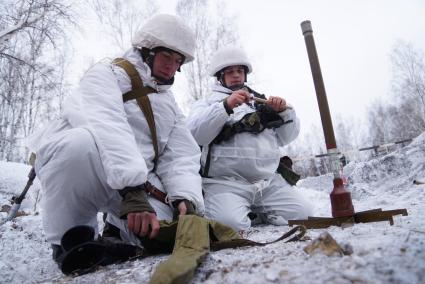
[140,92]
[295,233]
[190,239]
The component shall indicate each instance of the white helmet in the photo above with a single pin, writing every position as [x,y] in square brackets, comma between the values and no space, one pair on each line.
[167,31]
[229,56]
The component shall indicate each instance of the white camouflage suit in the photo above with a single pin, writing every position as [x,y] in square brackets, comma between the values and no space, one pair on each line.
[242,175]
[102,145]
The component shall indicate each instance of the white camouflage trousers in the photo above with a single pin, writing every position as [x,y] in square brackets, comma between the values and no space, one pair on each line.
[74,187]
[274,200]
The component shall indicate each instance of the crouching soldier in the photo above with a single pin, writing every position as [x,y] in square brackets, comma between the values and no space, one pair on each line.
[122,148]
[240,132]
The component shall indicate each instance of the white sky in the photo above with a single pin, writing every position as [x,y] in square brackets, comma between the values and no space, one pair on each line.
[354,39]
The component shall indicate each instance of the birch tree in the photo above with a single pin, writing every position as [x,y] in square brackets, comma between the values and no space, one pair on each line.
[30,33]
[213,29]
[409,73]
[122,19]
[403,114]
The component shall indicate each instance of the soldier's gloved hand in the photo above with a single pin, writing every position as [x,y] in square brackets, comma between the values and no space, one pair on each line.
[277,103]
[182,207]
[140,215]
[237,98]
[143,224]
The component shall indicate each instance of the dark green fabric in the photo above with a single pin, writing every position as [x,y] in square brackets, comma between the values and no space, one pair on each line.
[190,239]
[220,232]
[164,241]
[123,192]
[249,123]
[226,107]
[254,122]
[269,117]
[192,243]
[206,168]
[289,175]
[134,201]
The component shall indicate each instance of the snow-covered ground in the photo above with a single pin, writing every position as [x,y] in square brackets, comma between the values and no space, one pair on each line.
[381,253]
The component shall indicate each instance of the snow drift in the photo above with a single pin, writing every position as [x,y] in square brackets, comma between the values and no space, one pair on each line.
[381,253]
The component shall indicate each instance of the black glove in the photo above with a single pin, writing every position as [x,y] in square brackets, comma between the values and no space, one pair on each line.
[288,174]
[190,209]
[134,200]
[269,117]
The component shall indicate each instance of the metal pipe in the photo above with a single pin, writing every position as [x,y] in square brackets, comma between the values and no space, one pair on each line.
[319,85]
[340,198]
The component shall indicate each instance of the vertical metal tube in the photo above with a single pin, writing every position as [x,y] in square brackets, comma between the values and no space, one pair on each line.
[340,198]
[319,85]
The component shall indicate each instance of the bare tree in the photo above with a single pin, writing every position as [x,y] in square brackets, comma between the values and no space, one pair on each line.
[378,123]
[30,31]
[394,122]
[409,73]
[122,19]
[213,29]
[303,150]
[404,113]
[344,134]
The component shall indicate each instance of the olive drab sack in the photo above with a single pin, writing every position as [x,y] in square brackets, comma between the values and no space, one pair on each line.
[192,243]
[190,239]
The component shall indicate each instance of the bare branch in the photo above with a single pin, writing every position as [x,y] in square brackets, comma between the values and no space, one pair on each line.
[7,33]
[213,29]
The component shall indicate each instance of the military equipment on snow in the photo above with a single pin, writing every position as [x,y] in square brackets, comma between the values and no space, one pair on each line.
[288,174]
[16,201]
[341,203]
[192,237]
[327,245]
[189,239]
[340,198]
[374,215]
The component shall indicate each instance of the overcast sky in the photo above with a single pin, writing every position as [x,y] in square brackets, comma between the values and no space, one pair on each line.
[354,40]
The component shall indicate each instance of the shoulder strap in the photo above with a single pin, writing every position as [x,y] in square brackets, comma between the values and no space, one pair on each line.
[140,92]
[206,170]
[240,242]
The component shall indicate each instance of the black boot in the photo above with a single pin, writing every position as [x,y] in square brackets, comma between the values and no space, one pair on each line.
[111,231]
[80,253]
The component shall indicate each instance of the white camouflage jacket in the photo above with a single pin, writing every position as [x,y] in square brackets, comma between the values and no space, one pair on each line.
[122,135]
[247,156]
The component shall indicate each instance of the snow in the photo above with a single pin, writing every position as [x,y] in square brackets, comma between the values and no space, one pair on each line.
[381,253]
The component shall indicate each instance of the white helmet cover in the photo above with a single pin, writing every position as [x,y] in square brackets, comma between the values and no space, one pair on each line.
[229,56]
[167,31]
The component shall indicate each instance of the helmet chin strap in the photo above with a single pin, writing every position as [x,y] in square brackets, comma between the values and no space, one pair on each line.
[236,87]
[148,56]
[220,77]
[163,81]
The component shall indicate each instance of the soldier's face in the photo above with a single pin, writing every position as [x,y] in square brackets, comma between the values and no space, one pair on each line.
[166,64]
[234,75]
